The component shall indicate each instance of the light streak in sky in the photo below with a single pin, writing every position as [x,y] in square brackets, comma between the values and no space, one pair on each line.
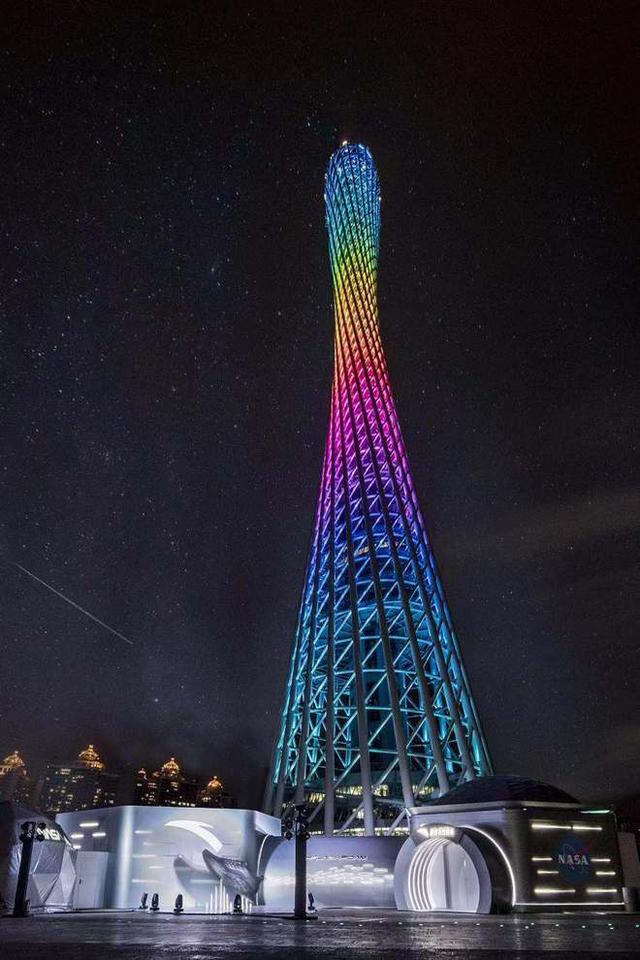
[71,602]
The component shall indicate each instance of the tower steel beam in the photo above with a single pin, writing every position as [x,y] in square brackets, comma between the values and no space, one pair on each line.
[363,741]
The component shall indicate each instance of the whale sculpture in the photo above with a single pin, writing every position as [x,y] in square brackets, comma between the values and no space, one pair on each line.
[235,874]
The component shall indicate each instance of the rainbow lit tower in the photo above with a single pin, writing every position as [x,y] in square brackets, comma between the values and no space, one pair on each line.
[378,710]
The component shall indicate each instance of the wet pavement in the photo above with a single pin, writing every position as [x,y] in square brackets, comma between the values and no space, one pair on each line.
[333,935]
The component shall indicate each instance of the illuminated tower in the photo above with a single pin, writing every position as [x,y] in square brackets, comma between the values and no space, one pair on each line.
[378,710]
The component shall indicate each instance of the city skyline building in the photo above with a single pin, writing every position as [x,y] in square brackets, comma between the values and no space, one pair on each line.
[166,787]
[84,784]
[213,794]
[15,783]
[378,711]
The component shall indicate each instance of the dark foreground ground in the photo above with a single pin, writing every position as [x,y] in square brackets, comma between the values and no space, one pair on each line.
[334,935]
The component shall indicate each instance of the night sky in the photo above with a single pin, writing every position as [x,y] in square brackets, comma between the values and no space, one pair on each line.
[166,351]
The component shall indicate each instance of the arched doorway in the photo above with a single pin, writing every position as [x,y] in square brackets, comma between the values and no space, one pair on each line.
[442,876]
[442,873]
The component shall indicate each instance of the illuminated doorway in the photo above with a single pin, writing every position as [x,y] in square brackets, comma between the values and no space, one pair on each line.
[442,876]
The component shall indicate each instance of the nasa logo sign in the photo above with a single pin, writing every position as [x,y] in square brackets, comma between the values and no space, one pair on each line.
[49,833]
[573,859]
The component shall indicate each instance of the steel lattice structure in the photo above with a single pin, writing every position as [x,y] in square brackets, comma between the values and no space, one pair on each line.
[378,707]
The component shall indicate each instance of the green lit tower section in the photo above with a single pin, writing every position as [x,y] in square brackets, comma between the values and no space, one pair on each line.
[378,712]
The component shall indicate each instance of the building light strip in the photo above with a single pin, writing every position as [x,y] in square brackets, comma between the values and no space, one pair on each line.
[551,826]
[76,836]
[547,872]
[143,831]
[542,891]
[77,846]
[541,859]
[572,903]
[600,859]
[602,889]
[605,873]
[563,826]
[89,823]
[100,833]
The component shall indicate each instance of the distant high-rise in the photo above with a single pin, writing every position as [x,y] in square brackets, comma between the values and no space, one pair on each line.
[15,783]
[378,709]
[167,787]
[213,794]
[84,784]
[146,788]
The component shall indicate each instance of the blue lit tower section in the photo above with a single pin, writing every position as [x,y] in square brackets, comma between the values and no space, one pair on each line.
[378,709]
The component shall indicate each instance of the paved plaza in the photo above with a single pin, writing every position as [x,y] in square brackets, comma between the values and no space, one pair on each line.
[334,935]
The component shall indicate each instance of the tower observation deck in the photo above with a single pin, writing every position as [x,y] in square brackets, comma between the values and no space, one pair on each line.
[378,711]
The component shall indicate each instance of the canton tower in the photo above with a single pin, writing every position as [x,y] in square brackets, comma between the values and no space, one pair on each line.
[378,710]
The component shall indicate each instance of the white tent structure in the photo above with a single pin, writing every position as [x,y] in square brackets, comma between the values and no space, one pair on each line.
[52,875]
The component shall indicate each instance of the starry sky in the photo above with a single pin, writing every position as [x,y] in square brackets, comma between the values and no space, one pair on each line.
[166,359]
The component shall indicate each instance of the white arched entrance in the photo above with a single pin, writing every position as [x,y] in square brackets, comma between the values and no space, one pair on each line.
[442,876]
[444,871]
